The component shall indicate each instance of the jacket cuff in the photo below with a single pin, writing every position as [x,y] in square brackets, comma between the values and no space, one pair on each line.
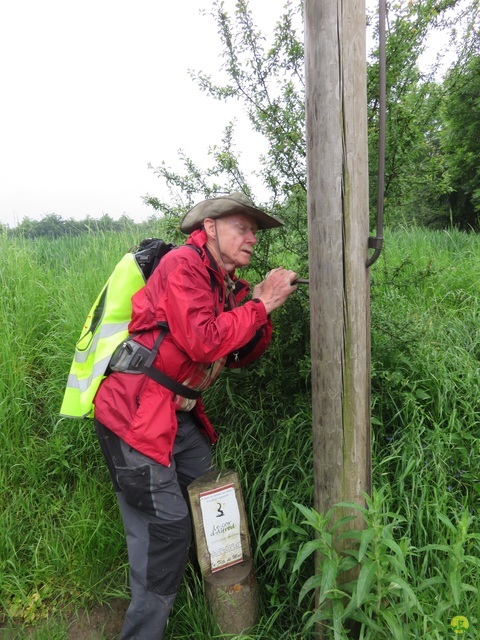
[262,312]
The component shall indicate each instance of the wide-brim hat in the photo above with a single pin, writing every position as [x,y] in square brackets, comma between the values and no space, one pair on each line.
[226,206]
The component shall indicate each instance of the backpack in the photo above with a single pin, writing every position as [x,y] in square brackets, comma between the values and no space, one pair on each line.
[106,329]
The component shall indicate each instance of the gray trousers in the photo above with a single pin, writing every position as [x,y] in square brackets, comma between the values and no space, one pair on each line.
[152,500]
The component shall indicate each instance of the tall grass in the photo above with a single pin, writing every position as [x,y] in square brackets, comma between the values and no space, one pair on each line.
[61,539]
[58,522]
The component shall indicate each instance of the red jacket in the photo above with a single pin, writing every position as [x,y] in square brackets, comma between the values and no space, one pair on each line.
[188,293]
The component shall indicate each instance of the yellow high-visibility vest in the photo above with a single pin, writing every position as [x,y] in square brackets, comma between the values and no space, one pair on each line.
[105,328]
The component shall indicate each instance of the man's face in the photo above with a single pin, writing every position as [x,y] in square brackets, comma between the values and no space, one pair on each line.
[236,238]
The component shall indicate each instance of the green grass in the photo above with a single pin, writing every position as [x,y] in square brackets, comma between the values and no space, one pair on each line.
[417,558]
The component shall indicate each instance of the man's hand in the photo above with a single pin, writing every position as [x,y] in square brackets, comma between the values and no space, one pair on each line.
[275,289]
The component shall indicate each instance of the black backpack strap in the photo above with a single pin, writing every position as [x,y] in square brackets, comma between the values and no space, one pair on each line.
[156,345]
[171,384]
[152,372]
[142,361]
[133,357]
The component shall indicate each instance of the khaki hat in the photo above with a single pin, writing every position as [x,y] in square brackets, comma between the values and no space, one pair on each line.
[226,206]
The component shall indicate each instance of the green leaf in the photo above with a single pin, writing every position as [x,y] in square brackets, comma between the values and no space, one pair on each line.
[436,547]
[312,583]
[269,534]
[394,625]
[430,582]
[446,521]
[366,537]
[352,505]
[342,521]
[397,582]
[455,582]
[329,574]
[304,552]
[365,581]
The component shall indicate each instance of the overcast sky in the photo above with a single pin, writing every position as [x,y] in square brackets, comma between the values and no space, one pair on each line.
[93,91]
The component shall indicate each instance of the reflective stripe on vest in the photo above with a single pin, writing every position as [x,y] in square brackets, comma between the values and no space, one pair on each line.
[104,329]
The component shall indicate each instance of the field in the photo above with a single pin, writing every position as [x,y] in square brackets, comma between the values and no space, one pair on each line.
[61,541]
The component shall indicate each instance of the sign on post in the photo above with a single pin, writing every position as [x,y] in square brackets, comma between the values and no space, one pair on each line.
[221,524]
[223,550]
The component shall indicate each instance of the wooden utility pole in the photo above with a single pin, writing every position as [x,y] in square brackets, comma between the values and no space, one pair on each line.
[337,170]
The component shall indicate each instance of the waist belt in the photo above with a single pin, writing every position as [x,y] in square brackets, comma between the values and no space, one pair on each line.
[132,357]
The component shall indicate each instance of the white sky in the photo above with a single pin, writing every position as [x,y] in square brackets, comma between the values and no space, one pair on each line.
[93,91]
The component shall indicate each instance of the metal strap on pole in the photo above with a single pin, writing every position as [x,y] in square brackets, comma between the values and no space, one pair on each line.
[377,242]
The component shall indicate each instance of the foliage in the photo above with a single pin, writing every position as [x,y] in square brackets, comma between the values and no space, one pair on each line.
[415,184]
[270,80]
[266,76]
[460,141]
[417,558]
[51,484]
[54,226]
[416,166]
[395,593]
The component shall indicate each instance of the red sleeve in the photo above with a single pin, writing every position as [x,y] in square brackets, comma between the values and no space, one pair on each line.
[189,307]
[253,349]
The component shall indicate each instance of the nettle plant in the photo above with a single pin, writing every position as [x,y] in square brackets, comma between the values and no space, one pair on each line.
[398,590]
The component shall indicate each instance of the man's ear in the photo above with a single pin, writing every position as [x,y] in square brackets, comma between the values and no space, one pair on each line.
[210,228]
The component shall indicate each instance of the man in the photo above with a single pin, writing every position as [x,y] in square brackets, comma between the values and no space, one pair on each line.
[156,442]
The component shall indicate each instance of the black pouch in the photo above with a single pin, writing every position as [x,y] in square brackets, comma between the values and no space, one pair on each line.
[130,356]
